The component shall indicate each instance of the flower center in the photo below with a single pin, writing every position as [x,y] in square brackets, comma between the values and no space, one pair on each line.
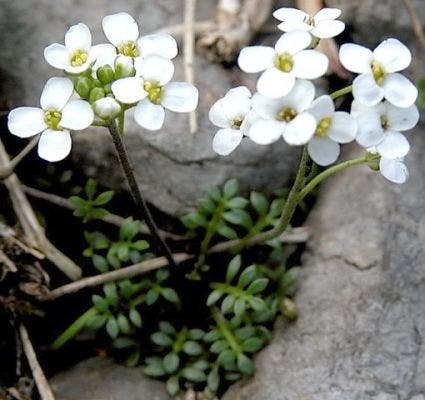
[284,62]
[236,123]
[385,123]
[79,58]
[128,49]
[155,91]
[323,127]
[379,72]
[52,118]
[309,20]
[286,114]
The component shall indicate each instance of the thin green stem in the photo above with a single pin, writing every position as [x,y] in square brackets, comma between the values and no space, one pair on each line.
[341,92]
[229,289]
[101,123]
[221,324]
[331,171]
[142,207]
[121,123]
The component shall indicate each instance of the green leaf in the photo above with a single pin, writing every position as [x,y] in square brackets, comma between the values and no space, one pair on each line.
[140,245]
[289,279]
[154,370]
[226,357]
[90,188]
[192,348]
[214,297]
[167,328]
[214,193]
[233,268]
[245,365]
[123,343]
[213,380]
[129,228]
[219,346]
[100,303]
[170,295]
[171,362]
[135,318]
[201,364]
[257,286]
[212,336]
[196,334]
[194,375]
[78,202]
[123,251]
[276,207]
[259,203]
[103,198]
[227,232]
[151,296]
[257,304]
[247,276]
[161,339]
[161,275]
[96,322]
[112,327]
[194,220]
[173,386]
[230,189]
[239,307]
[227,303]
[252,345]
[100,263]
[245,332]
[239,217]
[123,324]
[206,206]
[110,290]
[237,202]
[133,359]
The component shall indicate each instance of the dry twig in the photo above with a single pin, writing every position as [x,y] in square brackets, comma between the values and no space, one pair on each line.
[416,22]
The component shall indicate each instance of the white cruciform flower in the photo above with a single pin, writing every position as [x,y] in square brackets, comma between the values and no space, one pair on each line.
[379,73]
[332,129]
[153,92]
[285,117]
[77,55]
[234,116]
[380,126]
[394,170]
[56,117]
[282,64]
[323,25]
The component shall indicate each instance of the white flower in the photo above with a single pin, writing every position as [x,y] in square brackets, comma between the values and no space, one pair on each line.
[56,117]
[381,126]
[284,63]
[285,117]
[154,92]
[106,107]
[332,128]
[394,170]
[233,114]
[322,25]
[379,73]
[77,55]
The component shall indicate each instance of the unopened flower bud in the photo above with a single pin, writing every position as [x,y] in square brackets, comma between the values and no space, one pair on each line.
[96,94]
[105,74]
[124,67]
[373,160]
[106,108]
[83,86]
[289,309]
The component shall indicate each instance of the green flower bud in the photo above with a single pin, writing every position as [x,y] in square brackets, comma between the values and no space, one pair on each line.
[373,161]
[96,94]
[97,83]
[105,74]
[106,108]
[108,88]
[83,86]
[124,67]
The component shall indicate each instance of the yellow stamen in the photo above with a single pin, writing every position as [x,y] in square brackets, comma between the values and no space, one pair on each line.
[236,123]
[52,118]
[79,58]
[155,91]
[128,49]
[286,114]
[384,123]
[379,72]
[323,127]
[284,62]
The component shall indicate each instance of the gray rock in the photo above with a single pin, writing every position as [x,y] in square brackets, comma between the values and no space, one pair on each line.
[172,166]
[102,379]
[361,330]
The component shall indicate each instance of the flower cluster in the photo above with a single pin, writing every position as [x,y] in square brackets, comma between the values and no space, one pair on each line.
[285,104]
[103,81]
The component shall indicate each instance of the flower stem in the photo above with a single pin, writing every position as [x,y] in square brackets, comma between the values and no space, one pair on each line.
[140,202]
[341,92]
[330,171]
[222,326]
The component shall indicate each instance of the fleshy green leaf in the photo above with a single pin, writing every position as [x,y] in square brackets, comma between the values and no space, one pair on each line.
[167,328]
[171,362]
[112,327]
[194,375]
[170,295]
[252,345]
[230,189]
[257,286]
[214,193]
[161,339]
[214,297]
[239,307]
[259,203]
[233,268]
[239,217]
[192,348]
[194,220]
[227,303]
[213,380]
[173,386]
[135,318]
[103,198]
[247,276]
[227,232]
[245,365]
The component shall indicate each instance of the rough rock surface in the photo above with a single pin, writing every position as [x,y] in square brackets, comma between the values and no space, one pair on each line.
[102,379]
[361,330]
[173,166]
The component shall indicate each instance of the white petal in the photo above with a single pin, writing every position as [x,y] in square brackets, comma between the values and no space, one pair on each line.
[394,170]
[57,55]
[256,58]
[327,14]
[226,140]
[265,107]
[149,116]
[293,42]
[294,26]
[157,69]
[366,91]
[301,96]
[358,109]
[251,118]
[300,130]
[120,28]
[180,97]
[274,83]
[106,107]
[394,145]
[322,107]
[402,119]
[323,151]
[393,55]
[78,37]
[265,131]
[399,91]
[26,121]
[105,54]
[328,29]
[370,132]
[356,58]
[160,44]
[54,145]
[310,64]
[56,93]
[77,115]
[343,128]
[129,90]
[81,68]
[126,65]
[287,13]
